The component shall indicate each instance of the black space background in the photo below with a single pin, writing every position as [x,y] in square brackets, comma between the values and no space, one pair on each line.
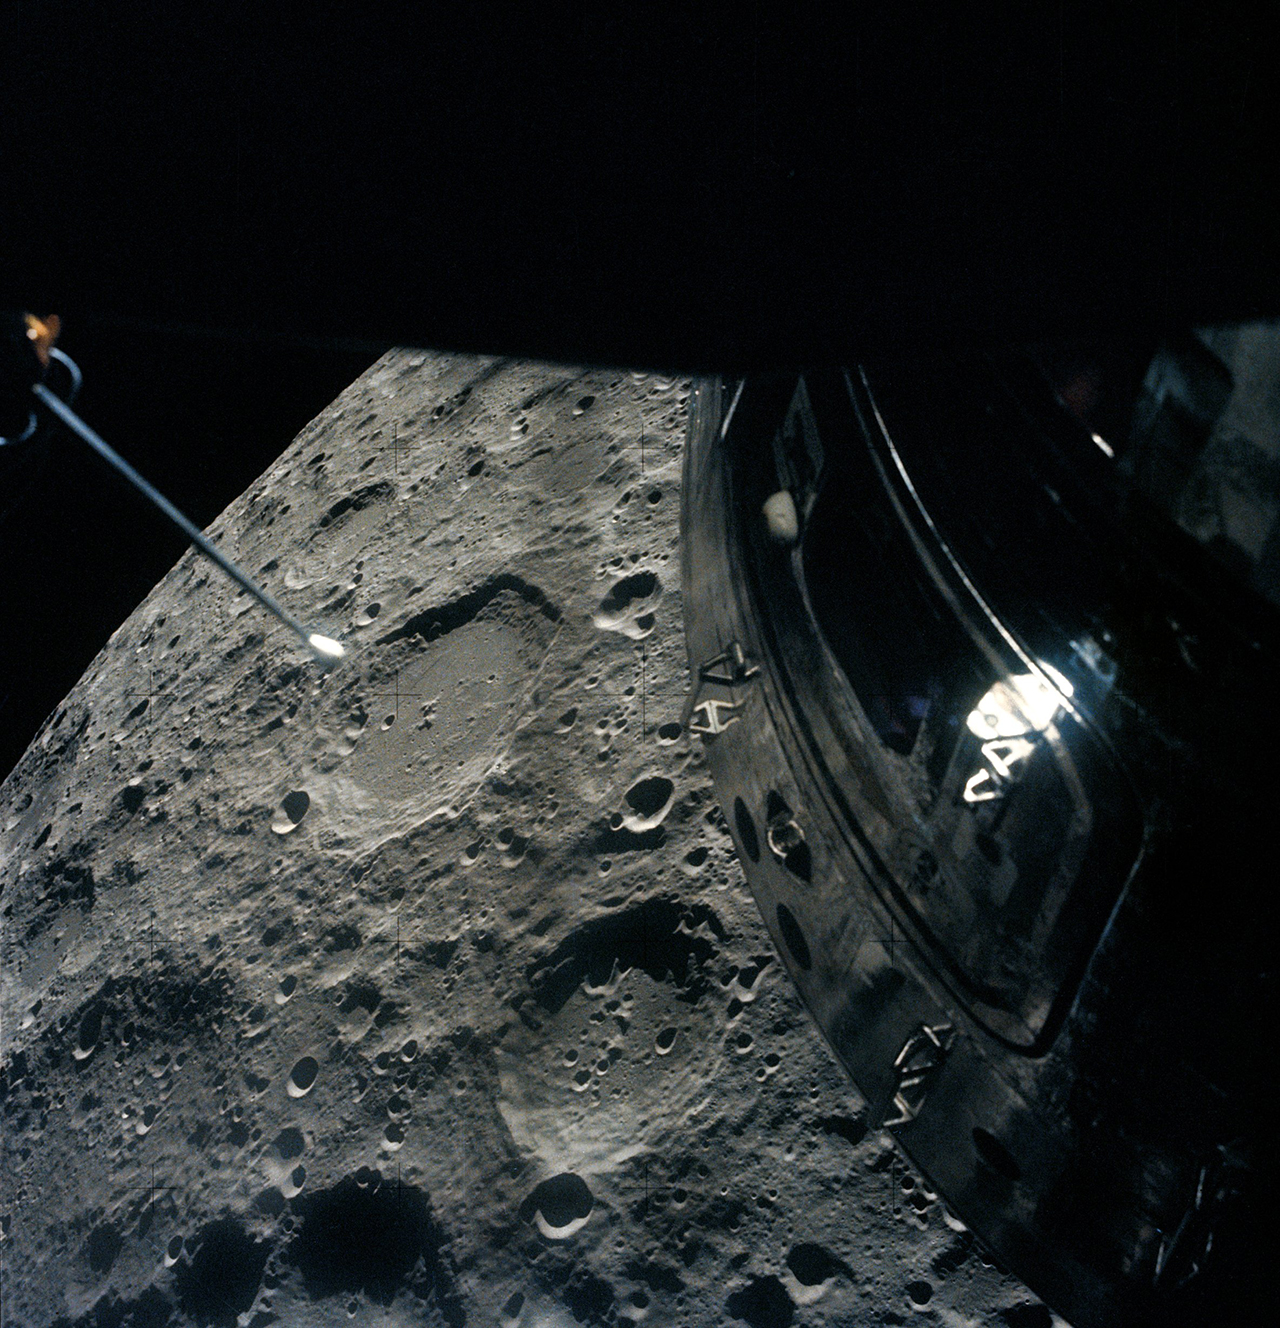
[234,210]
[201,418]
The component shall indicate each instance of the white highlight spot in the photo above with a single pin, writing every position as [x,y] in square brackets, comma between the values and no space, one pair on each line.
[1014,708]
[781,518]
[1020,704]
[326,646]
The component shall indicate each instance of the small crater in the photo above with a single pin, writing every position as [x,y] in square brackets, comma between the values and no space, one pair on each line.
[920,1293]
[290,1143]
[811,1265]
[614,840]
[514,849]
[90,1032]
[433,623]
[559,1206]
[629,600]
[762,1303]
[852,1129]
[302,1077]
[293,807]
[275,933]
[656,1276]
[345,936]
[954,1257]
[381,492]
[665,1040]
[103,1245]
[590,1299]
[649,800]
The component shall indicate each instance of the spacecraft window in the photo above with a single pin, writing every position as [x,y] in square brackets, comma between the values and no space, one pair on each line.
[1013,831]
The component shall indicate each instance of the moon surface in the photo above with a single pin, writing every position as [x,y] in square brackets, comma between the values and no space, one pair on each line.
[425,988]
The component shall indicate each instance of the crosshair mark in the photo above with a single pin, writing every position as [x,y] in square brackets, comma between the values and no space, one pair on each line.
[890,940]
[399,447]
[666,731]
[170,639]
[147,694]
[155,942]
[147,1216]
[396,692]
[154,1188]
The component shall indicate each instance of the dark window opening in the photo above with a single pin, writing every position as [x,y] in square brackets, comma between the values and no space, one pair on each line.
[1012,832]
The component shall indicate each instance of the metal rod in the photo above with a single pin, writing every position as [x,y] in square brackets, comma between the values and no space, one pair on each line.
[323,646]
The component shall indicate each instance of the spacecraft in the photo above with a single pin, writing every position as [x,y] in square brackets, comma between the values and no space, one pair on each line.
[984,653]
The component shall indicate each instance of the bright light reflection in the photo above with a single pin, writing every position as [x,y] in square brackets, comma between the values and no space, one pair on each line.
[1103,444]
[1024,703]
[326,645]
[1013,708]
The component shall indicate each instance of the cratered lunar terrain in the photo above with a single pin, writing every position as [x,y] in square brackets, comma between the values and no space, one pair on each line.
[426,989]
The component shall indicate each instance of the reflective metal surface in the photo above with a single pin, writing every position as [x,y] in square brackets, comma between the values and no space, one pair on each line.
[994,734]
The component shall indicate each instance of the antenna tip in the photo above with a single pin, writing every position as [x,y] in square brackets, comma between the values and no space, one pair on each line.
[326,646]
